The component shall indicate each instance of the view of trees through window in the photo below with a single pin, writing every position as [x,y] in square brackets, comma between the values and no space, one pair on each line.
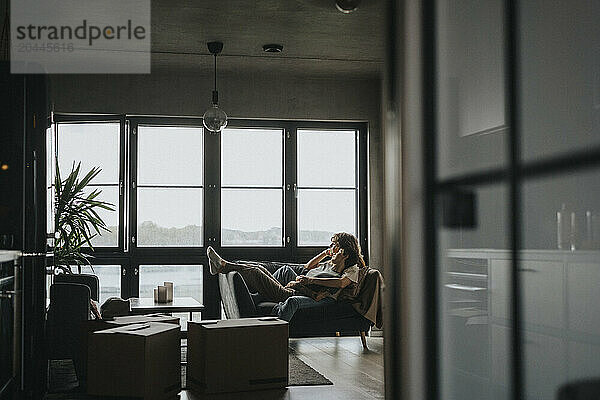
[327,185]
[170,186]
[252,187]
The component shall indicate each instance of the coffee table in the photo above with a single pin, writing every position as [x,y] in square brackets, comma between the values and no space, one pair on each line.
[179,304]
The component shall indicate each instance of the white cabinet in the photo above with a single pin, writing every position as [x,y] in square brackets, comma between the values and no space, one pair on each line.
[543,356]
[541,287]
[560,299]
[471,71]
[545,367]
[583,360]
[542,293]
[583,288]
[499,288]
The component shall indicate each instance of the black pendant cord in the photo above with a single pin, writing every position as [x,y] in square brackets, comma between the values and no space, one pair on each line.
[215,94]
[215,72]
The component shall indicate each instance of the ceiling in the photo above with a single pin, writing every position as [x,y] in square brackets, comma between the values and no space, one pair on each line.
[318,40]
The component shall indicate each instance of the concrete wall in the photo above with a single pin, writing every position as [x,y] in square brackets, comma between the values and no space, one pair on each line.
[242,95]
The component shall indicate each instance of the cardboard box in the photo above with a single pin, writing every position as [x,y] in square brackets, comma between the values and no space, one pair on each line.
[91,326]
[237,355]
[101,324]
[139,360]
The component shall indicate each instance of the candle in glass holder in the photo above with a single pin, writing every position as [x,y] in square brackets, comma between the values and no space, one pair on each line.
[169,286]
[162,294]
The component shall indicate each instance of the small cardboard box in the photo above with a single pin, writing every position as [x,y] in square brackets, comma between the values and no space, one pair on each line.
[237,355]
[101,324]
[91,326]
[139,360]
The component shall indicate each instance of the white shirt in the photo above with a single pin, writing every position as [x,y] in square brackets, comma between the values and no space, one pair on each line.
[325,270]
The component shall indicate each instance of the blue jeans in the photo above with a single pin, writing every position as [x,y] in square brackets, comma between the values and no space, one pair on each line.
[285,275]
[287,309]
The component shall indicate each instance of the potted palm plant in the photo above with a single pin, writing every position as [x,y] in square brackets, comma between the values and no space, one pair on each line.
[76,218]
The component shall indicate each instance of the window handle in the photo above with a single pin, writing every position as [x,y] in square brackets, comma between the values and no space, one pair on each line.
[527,270]
[295,190]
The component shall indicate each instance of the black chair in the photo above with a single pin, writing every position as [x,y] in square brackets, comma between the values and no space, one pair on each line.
[90,281]
[69,307]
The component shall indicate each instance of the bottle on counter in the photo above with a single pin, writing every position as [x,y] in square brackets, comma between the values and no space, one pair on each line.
[574,232]
[563,228]
[591,239]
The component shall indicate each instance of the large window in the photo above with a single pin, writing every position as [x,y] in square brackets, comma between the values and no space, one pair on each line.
[169,186]
[257,190]
[92,144]
[327,185]
[252,187]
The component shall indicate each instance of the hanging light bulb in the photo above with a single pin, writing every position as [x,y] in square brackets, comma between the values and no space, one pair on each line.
[215,119]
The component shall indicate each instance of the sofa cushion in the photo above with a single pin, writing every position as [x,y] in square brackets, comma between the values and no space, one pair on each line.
[236,298]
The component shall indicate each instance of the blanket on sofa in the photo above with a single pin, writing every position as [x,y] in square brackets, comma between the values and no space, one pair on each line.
[367,301]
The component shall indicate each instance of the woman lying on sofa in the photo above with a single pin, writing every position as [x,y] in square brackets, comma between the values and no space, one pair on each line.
[322,283]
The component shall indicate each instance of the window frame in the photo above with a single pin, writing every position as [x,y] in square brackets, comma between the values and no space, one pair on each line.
[361,178]
[355,189]
[102,118]
[134,125]
[241,124]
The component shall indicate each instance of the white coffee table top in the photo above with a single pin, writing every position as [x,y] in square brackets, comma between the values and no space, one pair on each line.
[179,304]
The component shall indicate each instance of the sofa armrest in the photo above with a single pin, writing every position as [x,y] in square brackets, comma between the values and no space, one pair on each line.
[237,301]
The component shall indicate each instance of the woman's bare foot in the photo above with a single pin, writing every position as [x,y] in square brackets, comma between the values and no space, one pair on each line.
[215,261]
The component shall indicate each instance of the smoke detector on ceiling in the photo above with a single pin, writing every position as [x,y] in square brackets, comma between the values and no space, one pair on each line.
[347,6]
[273,48]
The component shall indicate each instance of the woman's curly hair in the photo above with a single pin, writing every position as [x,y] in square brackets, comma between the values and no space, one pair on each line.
[349,244]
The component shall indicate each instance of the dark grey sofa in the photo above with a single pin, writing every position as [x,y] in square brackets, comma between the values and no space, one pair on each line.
[327,320]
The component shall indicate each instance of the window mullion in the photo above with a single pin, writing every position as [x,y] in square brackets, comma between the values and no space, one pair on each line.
[131,188]
[121,183]
[290,163]
[212,189]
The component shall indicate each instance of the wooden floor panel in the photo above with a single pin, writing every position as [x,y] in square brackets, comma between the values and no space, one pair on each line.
[355,373]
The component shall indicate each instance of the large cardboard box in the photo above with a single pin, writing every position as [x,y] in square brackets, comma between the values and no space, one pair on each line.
[139,360]
[91,326]
[237,355]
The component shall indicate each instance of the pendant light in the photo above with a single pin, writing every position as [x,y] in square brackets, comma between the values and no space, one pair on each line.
[214,118]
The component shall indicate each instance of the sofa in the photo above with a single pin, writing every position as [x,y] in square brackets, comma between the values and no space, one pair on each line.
[332,319]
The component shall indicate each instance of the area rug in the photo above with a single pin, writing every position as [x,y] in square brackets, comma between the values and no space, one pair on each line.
[63,380]
[299,373]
